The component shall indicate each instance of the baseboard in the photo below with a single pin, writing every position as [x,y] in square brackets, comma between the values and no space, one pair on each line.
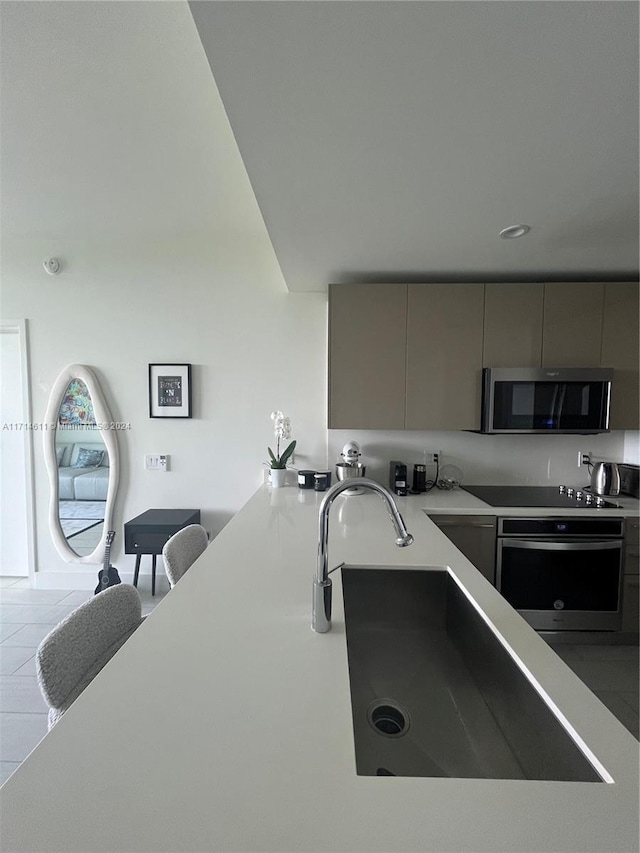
[79,579]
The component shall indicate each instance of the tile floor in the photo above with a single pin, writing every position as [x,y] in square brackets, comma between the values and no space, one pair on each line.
[27,615]
[612,673]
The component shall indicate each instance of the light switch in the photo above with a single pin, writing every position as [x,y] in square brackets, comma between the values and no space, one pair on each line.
[156,462]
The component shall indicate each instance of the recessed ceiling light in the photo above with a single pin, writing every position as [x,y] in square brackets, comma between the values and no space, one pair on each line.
[514,231]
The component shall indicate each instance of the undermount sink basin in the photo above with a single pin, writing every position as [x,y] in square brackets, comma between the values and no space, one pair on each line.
[435,693]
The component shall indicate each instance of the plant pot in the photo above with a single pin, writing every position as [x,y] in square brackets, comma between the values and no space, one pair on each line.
[278,477]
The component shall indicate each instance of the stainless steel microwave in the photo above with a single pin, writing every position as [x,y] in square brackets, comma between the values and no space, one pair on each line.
[546,400]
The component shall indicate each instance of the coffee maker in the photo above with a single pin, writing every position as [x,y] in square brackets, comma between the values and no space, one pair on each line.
[398,478]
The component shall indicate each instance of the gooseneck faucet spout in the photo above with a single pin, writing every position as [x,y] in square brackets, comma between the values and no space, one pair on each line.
[321,613]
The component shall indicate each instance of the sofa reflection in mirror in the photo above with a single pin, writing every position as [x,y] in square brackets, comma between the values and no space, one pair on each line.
[81,454]
[83,483]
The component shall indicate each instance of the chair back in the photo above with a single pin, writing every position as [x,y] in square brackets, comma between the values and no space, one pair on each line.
[74,652]
[182,550]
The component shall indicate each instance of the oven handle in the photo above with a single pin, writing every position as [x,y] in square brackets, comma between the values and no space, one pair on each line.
[561,545]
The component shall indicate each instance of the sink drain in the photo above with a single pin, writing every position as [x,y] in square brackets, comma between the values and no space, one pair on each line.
[388,718]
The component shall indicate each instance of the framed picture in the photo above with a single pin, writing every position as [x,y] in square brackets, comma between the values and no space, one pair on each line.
[169,390]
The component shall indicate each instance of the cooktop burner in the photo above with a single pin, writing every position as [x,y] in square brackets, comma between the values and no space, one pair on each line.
[552,496]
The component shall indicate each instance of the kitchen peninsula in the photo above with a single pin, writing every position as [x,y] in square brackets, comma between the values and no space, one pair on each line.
[225,723]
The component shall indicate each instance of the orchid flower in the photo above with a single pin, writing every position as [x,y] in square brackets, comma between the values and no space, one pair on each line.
[281,430]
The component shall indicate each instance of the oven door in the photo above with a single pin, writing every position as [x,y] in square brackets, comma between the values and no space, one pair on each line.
[566,585]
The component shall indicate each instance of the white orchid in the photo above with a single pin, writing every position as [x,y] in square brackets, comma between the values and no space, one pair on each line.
[281,430]
[281,425]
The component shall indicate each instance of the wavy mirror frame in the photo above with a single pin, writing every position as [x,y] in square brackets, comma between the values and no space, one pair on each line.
[109,436]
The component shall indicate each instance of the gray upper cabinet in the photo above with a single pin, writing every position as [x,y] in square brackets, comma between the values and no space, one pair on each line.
[411,356]
[513,325]
[367,353]
[444,356]
[572,325]
[620,350]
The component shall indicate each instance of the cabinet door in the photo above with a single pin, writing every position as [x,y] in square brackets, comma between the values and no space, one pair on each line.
[513,325]
[632,547]
[444,356]
[620,348]
[572,324]
[630,604]
[475,536]
[367,353]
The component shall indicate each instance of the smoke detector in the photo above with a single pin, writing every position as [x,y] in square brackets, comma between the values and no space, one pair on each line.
[52,265]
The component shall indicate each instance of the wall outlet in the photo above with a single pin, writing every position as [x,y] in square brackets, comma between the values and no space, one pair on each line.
[432,458]
[583,458]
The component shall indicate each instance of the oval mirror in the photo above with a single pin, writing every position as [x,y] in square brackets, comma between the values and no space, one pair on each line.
[81,455]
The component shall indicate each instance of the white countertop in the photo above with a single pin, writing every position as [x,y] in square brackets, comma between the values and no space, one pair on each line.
[224,723]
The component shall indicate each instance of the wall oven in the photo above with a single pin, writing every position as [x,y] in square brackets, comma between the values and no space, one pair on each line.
[562,574]
[548,400]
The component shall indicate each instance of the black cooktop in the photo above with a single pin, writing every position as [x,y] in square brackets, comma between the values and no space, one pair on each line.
[541,496]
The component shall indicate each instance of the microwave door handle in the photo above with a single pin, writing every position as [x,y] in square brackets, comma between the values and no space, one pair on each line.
[554,404]
[563,393]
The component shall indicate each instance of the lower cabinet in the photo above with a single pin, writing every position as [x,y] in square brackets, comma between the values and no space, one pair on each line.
[631,588]
[475,536]
[630,604]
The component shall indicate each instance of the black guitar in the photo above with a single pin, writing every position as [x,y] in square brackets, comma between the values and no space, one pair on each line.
[108,575]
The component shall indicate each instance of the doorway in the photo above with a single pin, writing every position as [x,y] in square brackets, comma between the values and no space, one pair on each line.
[17,550]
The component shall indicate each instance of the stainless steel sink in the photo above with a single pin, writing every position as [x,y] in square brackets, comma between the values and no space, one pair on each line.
[435,693]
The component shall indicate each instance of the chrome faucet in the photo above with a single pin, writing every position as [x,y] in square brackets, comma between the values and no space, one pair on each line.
[321,613]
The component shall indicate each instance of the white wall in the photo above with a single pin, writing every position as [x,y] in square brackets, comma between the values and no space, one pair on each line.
[632,447]
[253,347]
[491,459]
[118,158]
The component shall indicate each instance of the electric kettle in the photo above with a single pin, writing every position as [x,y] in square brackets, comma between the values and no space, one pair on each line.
[605,479]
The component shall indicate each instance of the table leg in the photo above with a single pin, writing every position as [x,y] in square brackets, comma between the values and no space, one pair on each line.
[153,574]
[136,570]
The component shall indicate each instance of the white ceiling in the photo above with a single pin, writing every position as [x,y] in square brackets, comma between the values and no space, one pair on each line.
[392,140]
[112,128]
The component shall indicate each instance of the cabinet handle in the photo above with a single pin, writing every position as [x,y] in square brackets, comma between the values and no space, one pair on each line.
[458,524]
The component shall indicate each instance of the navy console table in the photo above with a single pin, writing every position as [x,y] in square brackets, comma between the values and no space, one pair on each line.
[147,534]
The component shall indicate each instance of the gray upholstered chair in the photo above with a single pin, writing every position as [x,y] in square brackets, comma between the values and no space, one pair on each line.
[182,550]
[74,652]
